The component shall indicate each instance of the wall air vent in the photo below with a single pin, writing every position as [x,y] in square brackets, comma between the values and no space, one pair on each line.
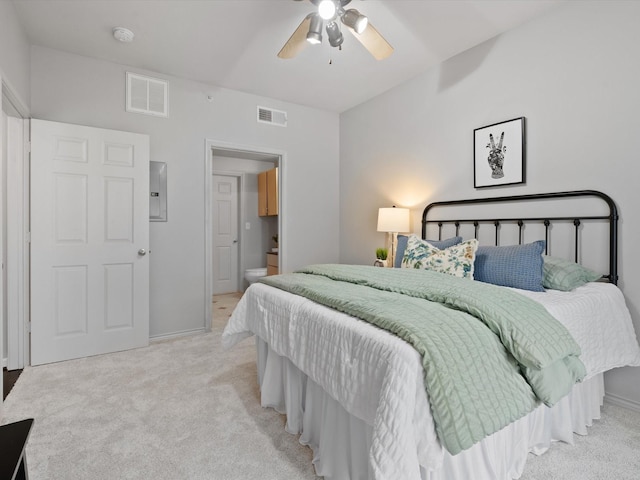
[147,95]
[272,117]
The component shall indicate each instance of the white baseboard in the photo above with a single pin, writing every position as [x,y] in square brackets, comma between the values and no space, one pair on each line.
[622,402]
[169,336]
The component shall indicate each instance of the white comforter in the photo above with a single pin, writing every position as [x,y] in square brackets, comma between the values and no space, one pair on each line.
[599,320]
[378,378]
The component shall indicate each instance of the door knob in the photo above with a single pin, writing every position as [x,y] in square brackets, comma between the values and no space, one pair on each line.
[235,241]
[142,252]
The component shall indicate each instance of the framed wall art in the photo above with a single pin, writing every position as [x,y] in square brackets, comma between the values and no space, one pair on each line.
[499,154]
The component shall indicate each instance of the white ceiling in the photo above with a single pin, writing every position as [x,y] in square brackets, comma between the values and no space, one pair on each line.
[233,43]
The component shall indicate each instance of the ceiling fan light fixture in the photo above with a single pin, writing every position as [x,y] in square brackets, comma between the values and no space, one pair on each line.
[354,19]
[314,36]
[334,34]
[327,9]
[310,30]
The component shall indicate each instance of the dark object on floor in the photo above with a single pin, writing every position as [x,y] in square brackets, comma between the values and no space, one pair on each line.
[9,378]
[13,441]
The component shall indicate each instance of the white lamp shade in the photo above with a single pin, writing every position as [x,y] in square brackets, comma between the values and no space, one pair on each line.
[393,220]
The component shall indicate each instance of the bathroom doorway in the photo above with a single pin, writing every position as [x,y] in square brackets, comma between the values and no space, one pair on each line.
[256,234]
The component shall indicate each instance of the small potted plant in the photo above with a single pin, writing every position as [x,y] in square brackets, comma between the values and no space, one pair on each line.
[381,257]
[275,240]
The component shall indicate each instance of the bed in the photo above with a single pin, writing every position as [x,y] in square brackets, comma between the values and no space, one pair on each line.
[355,393]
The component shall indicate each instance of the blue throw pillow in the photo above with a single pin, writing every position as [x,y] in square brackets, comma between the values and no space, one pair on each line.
[402,246]
[517,266]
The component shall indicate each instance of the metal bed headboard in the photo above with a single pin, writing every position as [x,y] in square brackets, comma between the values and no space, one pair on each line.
[611,218]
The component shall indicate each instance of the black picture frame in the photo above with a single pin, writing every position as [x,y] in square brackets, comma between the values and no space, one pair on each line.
[499,154]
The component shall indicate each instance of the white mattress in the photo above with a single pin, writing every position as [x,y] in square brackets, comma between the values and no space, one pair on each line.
[377,377]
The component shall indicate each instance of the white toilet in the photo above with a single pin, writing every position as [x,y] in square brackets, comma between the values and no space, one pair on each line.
[252,275]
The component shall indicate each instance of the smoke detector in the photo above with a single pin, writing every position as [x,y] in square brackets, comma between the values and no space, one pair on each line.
[123,34]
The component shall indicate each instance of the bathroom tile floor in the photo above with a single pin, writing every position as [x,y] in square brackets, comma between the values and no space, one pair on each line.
[223,306]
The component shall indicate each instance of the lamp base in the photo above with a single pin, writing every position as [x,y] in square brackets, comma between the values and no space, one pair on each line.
[393,240]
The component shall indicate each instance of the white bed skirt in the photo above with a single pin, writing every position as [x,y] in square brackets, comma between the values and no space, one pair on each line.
[341,442]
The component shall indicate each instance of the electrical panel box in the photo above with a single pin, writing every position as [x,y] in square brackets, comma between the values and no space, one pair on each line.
[158,191]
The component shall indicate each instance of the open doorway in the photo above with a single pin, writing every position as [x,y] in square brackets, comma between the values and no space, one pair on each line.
[241,238]
[15,221]
[14,228]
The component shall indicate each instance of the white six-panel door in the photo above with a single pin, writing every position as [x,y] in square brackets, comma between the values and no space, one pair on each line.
[89,241]
[225,234]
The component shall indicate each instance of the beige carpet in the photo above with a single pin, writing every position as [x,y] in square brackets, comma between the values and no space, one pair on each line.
[179,409]
[186,409]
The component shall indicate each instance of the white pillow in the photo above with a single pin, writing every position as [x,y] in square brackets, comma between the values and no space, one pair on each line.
[456,260]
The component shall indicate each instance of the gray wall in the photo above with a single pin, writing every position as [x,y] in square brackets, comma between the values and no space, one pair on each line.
[74,89]
[573,74]
[14,54]
[14,70]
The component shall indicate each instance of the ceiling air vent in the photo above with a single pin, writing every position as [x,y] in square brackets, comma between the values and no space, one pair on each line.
[272,117]
[147,95]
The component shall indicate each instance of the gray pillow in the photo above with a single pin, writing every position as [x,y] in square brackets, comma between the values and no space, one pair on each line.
[440,244]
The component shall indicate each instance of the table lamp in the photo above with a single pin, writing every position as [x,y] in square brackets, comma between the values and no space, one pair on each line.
[393,220]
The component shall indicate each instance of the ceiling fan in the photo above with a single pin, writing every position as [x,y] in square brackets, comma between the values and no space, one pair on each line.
[333,13]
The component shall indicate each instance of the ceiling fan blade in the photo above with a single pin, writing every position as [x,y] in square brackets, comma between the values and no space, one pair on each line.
[297,41]
[374,42]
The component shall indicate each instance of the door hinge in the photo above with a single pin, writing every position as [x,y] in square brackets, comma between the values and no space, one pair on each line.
[27,237]
[28,147]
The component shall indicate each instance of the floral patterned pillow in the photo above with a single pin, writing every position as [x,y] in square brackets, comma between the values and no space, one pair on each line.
[456,260]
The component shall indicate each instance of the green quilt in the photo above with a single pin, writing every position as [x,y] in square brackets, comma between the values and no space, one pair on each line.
[490,355]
